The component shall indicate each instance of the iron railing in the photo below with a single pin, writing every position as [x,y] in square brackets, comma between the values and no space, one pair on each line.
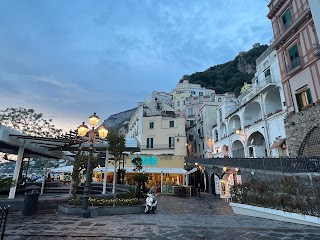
[283,164]
[157,146]
[294,65]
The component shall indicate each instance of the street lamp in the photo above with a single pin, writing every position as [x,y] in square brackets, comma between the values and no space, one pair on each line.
[82,132]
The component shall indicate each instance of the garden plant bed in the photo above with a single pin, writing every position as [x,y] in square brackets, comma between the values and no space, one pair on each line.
[96,211]
[274,214]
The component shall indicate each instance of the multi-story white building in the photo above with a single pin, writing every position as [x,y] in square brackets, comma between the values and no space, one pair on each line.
[187,99]
[253,124]
[199,135]
[158,129]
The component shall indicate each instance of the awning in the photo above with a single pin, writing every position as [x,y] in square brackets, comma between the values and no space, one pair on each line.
[278,144]
[192,170]
[65,169]
[146,170]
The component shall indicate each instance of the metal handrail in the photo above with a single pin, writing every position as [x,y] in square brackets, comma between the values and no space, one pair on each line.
[294,64]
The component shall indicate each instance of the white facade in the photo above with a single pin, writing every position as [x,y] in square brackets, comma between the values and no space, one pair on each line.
[254,127]
[315,10]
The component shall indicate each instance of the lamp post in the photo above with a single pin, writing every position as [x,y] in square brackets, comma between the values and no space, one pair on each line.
[82,132]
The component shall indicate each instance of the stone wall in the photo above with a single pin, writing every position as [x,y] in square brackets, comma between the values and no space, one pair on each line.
[298,125]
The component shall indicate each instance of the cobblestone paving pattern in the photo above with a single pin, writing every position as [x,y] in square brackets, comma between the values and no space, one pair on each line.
[204,217]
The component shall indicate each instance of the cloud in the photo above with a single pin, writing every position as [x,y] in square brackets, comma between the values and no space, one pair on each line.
[71,58]
[50,80]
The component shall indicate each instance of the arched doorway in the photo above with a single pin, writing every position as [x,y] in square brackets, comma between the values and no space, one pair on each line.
[257,145]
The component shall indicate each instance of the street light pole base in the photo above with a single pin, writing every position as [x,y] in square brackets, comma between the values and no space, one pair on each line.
[85,213]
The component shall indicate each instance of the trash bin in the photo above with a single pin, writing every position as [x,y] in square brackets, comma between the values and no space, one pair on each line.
[30,204]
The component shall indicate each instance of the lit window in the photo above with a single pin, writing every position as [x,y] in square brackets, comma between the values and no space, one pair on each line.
[304,99]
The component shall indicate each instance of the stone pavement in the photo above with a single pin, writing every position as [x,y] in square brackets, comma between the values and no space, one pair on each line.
[204,217]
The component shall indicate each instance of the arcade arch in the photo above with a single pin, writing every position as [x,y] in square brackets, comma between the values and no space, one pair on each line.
[257,145]
[252,113]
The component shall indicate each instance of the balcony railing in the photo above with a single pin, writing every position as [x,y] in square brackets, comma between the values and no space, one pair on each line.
[268,79]
[296,19]
[294,65]
[157,147]
[316,49]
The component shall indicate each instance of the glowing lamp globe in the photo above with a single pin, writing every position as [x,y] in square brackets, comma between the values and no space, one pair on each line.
[103,132]
[94,120]
[82,130]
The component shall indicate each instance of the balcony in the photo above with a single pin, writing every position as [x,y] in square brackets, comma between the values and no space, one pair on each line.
[316,49]
[157,147]
[297,19]
[294,65]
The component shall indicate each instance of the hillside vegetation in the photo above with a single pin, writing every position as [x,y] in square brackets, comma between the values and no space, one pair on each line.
[229,76]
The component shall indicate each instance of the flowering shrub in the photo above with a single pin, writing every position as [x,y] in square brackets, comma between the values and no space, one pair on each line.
[289,193]
[106,202]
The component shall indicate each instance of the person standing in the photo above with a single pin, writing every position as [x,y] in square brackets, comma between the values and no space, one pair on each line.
[199,188]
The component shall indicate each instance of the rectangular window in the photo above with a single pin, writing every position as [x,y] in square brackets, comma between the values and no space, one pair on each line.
[294,57]
[286,19]
[200,93]
[184,102]
[191,112]
[191,123]
[304,99]
[178,103]
[151,125]
[193,92]
[171,124]
[220,114]
[149,142]
[171,142]
[267,72]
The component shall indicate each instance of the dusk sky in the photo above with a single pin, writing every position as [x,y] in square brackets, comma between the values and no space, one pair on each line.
[68,59]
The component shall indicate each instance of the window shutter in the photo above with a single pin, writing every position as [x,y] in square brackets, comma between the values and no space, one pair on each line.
[298,98]
[309,96]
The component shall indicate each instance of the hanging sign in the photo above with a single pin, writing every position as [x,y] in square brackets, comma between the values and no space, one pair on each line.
[217,184]
[148,160]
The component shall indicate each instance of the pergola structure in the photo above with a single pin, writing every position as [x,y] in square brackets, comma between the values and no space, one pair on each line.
[25,146]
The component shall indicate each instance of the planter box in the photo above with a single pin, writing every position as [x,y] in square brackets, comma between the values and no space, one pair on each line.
[96,211]
[273,214]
